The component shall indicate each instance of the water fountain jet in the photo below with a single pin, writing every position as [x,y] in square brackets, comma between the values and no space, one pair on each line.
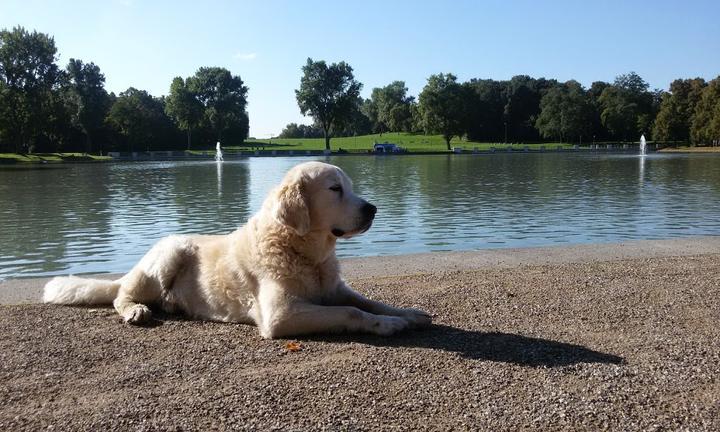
[218,153]
[643,145]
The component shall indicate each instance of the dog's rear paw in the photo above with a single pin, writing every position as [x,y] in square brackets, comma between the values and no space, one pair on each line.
[417,318]
[388,325]
[138,314]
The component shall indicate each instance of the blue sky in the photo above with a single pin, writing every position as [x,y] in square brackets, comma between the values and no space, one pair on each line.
[146,43]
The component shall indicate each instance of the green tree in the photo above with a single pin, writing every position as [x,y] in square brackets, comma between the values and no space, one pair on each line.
[416,118]
[294,130]
[619,114]
[370,111]
[183,106]
[5,131]
[598,130]
[61,132]
[627,107]
[486,110]
[28,76]
[523,94]
[291,130]
[646,120]
[141,120]
[443,107]
[394,107]
[328,93]
[223,97]
[355,123]
[88,98]
[565,112]
[677,110]
[238,130]
[706,121]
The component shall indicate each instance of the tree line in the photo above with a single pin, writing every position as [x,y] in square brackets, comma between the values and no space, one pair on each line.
[522,109]
[44,108]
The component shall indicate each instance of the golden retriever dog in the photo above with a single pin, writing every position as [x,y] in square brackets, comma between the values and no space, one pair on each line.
[279,271]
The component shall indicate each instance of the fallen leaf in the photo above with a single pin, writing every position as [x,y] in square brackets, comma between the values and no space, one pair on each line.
[293,346]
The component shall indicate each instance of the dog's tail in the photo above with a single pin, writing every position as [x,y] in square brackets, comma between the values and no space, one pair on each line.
[76,290]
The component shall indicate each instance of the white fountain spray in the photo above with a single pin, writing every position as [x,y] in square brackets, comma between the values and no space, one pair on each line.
[218,153]
[643,145]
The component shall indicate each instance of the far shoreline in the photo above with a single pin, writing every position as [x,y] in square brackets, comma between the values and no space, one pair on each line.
[714,149]
[18,159]
[197,155]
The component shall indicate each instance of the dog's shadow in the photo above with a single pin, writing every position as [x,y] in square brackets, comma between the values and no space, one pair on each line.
[491,346]
[476,345]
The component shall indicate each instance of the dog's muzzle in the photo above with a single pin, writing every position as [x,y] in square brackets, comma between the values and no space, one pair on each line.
[368,212]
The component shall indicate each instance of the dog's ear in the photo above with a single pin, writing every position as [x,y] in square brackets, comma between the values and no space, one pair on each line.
[291,207]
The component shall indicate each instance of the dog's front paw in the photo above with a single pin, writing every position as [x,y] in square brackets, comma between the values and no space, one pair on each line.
[416,317]
[388,325]
[138,314]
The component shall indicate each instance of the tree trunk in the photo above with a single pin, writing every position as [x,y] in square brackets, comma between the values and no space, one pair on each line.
[327,139]
[24,145]
[447,141]
[88,143]
[20,144]
[188,137]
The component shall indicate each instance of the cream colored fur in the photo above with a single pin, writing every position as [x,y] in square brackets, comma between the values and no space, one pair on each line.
[278,272]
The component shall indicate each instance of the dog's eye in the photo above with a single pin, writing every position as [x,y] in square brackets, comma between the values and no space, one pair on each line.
[337,188]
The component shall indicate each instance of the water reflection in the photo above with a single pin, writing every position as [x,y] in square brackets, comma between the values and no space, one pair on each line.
[219,177]
[103,217]
[642,169]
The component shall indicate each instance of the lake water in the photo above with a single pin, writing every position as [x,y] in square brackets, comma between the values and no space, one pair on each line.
[83,218]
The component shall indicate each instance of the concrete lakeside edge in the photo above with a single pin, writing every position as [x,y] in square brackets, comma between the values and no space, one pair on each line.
[29,291]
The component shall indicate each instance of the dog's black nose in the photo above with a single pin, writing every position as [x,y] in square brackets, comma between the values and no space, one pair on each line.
[369,210]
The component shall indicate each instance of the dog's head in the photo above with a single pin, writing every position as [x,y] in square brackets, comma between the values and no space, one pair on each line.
[318,197]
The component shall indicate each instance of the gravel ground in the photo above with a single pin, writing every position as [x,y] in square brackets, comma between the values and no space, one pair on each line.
[622,345]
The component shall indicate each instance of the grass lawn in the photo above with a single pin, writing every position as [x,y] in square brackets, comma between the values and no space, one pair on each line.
[50,157]
[359,144]
[413,143]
